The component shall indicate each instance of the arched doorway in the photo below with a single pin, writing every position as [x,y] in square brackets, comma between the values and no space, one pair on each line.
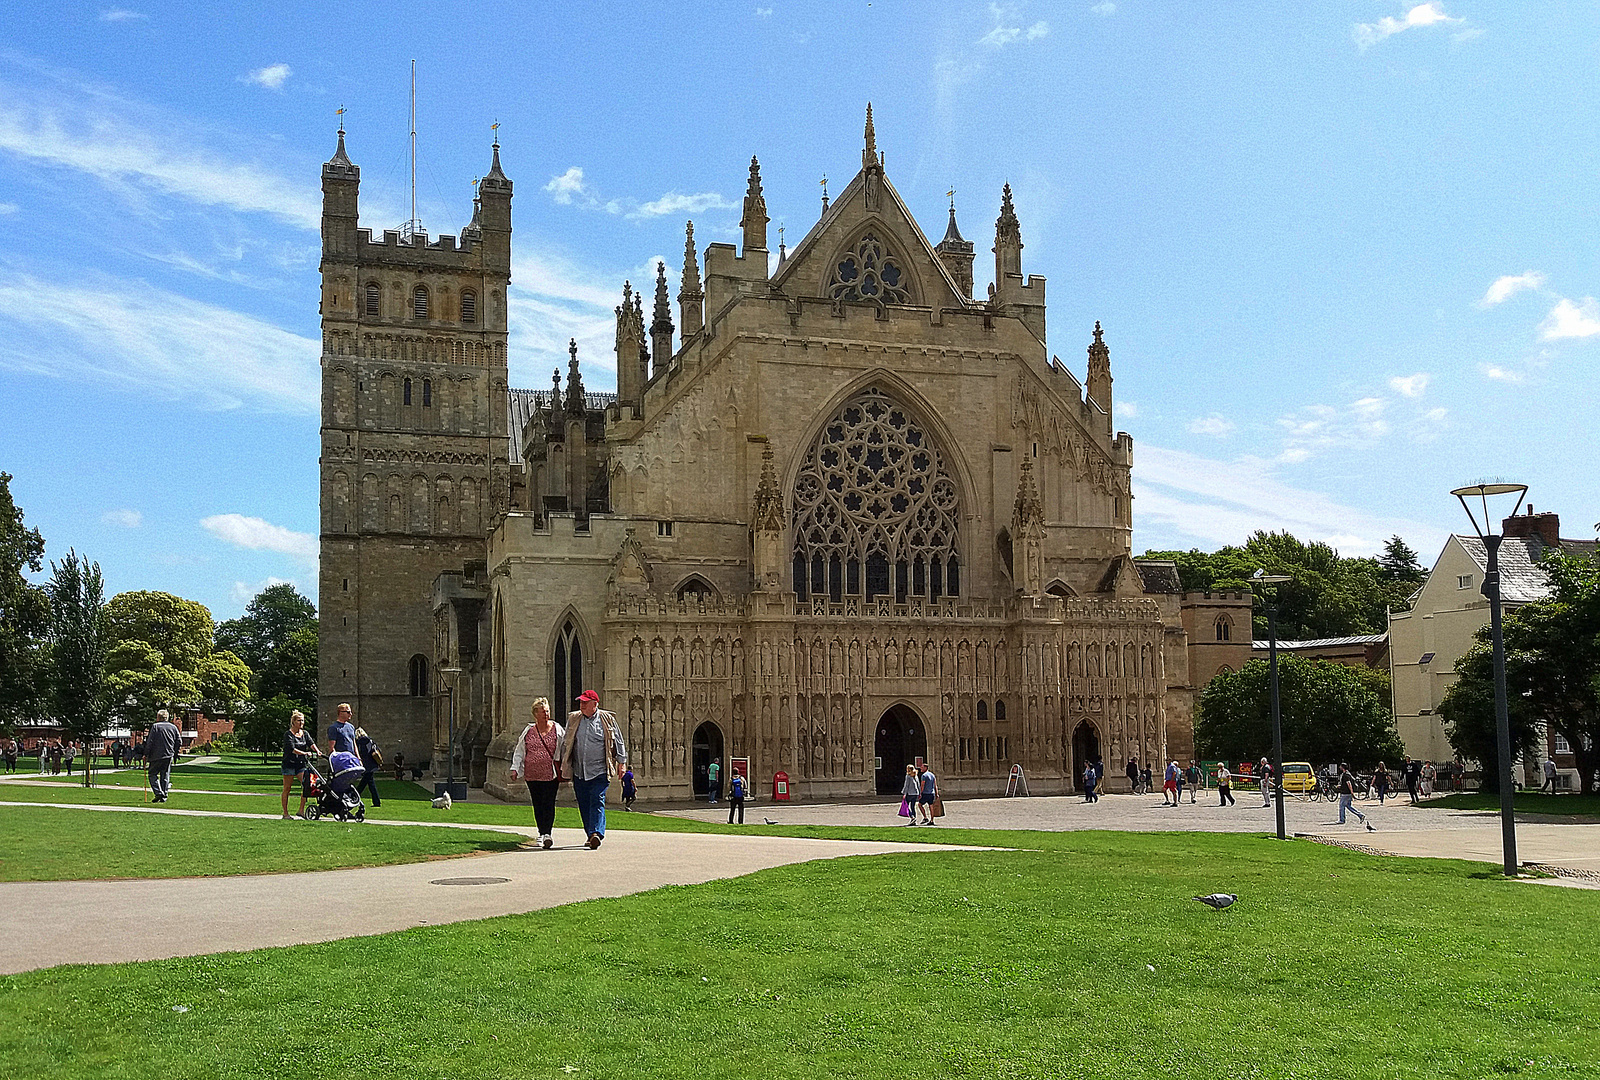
[899,741]
[1085,748]
[707,748]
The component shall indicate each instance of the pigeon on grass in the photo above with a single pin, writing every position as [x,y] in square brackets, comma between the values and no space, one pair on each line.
[769,821]
[1218,900]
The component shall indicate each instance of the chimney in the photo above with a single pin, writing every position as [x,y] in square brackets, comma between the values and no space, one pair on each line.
[1546,527]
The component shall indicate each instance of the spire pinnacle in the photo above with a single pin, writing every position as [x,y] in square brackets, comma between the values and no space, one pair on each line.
[689,282]
[870,158]
[754,221]
[495,176]
[576,404]
[824,193]
[663,313]
[783,252]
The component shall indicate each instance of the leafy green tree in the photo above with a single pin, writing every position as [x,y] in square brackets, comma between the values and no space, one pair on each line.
[272,615]
[292,670]
[24,616]
[223,681]
[1329,713]
[180,630]
[262,726]
[1399,562]
[1553,657]
[1467,710]
[137,670]
[78,649]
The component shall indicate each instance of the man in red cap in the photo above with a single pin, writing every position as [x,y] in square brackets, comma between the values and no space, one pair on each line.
[593,752]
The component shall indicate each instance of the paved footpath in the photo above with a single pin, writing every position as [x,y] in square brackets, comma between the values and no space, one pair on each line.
[111,921]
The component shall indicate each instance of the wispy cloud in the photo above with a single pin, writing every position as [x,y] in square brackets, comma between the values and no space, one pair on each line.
[1106,8]
[258,534]
[1411,386]
[1222,502]
[674,203]
[273,76]
[132,335]
[1429,14]
[1569,320]
[9,208]
[245,591]
[1502,374]
[764,12]
[1315,428]
[1215,425]
[128,519]
[564,188]
[1128,410]
[121,15]
[1504,288]
[50,120]
[1008,27]
[571,189]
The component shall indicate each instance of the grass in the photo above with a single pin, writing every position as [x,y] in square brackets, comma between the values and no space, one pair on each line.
[1527,802]
[1084,958]
[47,844]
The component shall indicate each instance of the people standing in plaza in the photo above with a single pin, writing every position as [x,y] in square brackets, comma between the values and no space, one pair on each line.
[592,753]
[371,761]
[536,761]
[1429,775]
[927,793]
[1264,771]
[55,758]
[342,733]
[714,781]
[161,743]
[1346,786]
[298,750]
[1089,783]
[736,793]
[1224,786]
[1133,775]
[1380,782]
[11,755]
[910,788]
[1169,785]
[1413,777]
[1194,780]
[1145,780]
[630,790]
[70,752]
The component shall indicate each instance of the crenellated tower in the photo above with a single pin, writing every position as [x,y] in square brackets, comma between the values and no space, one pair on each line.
[414,441]
[957,254]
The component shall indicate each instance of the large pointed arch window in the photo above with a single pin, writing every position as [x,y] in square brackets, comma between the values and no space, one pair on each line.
[868,271]
[875,508]
[568,669]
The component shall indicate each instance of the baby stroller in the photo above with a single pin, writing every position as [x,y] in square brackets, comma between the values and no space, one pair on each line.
[337,798]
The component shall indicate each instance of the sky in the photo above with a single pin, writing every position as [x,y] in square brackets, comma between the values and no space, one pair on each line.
[1344,252]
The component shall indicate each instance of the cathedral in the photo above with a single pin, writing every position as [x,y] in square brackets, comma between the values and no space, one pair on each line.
[841,513]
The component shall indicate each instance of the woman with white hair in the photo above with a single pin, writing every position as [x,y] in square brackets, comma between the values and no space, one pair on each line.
[536,760]
[298,749]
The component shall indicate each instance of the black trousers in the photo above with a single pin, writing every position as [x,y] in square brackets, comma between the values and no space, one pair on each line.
[543,794]
[1226,794]
[735,803]
[369,780]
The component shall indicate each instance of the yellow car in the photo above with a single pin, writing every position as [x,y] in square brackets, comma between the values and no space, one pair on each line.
[1299,778]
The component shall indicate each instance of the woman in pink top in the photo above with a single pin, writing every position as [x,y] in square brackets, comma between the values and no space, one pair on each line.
[536,760]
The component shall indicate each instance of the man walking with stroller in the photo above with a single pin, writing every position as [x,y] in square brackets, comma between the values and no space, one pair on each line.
[594,751]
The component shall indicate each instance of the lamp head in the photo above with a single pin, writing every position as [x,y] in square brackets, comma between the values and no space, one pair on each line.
[451,671]
[1261,577]
[1482,492]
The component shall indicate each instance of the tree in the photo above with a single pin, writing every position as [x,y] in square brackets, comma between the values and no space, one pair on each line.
[78,649]
[137,670]
[223,682]
[1329,713]
[180,630]
[292,670]
[24,616]
[1467,710]
[1399,562]
[162,654]
[272,615]
[262,726]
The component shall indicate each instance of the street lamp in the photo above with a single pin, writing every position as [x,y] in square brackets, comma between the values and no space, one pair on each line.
[450,747]
[1261,577]
[1491,589]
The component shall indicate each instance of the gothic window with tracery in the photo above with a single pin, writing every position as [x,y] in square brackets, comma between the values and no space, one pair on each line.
[869,272]
[875,508]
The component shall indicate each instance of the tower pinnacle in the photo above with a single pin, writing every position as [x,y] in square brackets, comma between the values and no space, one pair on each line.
[754,221]
[869,152]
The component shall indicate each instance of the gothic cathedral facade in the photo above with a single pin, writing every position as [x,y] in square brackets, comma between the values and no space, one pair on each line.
[843,515]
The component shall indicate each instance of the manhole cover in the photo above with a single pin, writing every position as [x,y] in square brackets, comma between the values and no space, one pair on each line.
[470,881]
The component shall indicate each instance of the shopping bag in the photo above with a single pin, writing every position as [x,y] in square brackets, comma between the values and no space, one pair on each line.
[905,808]
[938,807]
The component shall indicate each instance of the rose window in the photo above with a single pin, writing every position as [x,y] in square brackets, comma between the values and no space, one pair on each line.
[875,508]
[868,272]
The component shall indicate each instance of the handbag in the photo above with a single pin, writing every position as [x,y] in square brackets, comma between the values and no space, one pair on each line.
[938,807]
[905,807]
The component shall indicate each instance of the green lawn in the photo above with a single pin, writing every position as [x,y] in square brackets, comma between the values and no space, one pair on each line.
[944,964]
[1527,802]
[47,844]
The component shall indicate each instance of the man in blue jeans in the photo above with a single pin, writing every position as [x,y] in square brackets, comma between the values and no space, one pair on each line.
[1346,786]
[593,752]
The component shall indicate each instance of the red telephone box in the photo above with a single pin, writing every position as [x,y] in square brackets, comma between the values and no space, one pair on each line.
[780,787]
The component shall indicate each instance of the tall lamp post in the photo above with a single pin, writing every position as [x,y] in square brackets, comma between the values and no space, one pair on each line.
[450,745]
[1261,577]
[1491,589]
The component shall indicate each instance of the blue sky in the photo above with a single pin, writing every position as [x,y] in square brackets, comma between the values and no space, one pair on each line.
[1344,252]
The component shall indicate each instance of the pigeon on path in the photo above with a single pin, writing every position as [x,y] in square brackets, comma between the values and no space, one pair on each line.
[769,821]
[1218,900]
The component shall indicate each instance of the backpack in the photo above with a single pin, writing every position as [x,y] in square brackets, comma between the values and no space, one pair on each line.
[736,788]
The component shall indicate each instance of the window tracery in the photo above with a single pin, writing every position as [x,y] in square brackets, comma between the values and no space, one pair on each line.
[868,271]
[875,508]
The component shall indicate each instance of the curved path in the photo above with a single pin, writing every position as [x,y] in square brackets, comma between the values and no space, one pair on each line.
[98,922]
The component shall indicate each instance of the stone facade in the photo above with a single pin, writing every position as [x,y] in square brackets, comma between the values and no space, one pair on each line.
[842,515]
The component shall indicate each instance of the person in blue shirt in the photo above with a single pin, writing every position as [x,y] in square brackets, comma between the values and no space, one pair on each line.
[736,793]
[342,733]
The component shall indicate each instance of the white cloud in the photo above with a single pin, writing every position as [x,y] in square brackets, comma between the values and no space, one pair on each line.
[1429,14]
[121,15]
[9,208]
[128,519]
[1411,385]
[570,183]
[1468,34]
[129,334]
[1008,27]
[1569,320]
[764,12]
[258,534]
[1107,8]
[1315,428]
[244,591]
[1214,424]
[47,119]
[1504,288]
[1500,374]
[1128,410]
[674,203]
[1037,30]
[273,76]
[1222,502]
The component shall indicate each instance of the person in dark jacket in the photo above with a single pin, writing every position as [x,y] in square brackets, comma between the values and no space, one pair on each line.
[371,761]
[162,746]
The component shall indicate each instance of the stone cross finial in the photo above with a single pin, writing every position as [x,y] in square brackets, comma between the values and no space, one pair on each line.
[754,221]
[869,153]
